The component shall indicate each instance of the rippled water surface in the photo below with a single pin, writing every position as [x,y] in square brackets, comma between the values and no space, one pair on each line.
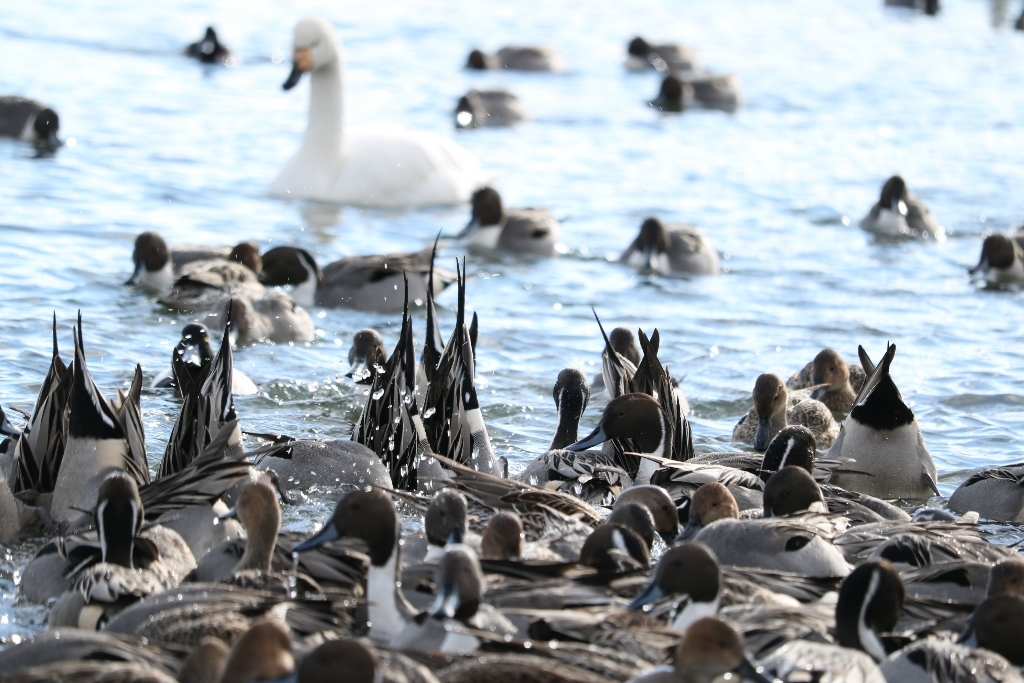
[838,96]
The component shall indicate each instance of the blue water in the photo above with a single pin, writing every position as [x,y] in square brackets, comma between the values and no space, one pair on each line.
[838,96]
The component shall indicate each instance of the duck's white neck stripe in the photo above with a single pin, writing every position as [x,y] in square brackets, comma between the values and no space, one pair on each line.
[868,638]
[386,619]
[694,611]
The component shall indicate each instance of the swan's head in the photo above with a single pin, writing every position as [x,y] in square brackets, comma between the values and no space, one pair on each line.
[313,47]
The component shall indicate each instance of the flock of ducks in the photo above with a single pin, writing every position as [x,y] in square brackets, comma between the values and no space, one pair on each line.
[619,555]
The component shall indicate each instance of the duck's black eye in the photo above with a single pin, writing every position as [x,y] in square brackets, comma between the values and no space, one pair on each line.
[797,542]
[622,413]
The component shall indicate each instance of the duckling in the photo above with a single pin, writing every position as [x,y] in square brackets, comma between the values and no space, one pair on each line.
[641,56]
[672,249]
[487,108]
[29,120]
[709,649]
[273,317]
[210,50]
[516,58]
[518,231]
[367,351]
[774,408]
[366,283]
[898,213]
[841,381]
[1001,261]
[882,443]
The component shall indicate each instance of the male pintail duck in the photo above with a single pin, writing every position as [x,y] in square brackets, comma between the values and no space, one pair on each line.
[516,58]
[189,360]
[368,283]
[774,408]
[202,284]
[371,516]
[459,604]
[273,317]
[781,544]
[672,249]
[614,548]
[927,6]
[882,443]
[940,659]
[898,213]
[994,625]
[131,563]
[1001,261]
[869,603]
[996,494]
[210,50]
[642,56]
[674,95]
[29,120]
[489,108]
[711,92]
[75,645]
[156,266]
[691,573]
[709,503]
[637,517]
[623,343]
[366,353]
[681,480]
[791,490]
[502,538]
[361,664]
[263,653]
[377,168]
[101,435]
[444,523]
[842,381]
[709,649]
[519,231]
[325,464]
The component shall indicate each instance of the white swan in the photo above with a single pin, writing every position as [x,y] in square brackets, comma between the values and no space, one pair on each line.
[375,168]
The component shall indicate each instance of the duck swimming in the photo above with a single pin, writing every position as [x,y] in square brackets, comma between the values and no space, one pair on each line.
[519,231]
[1001,261]
[489,108]
[673,249]
[842,381]
[29,120]
[900,214]
[774,408]
[210,50]
[516,58]
[642,56]
[376,168]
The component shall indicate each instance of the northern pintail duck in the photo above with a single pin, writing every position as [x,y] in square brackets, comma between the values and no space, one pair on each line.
[994,625]
[774,408]
[444,523]
[996,494]
[202,284]
[793,545]
[898,213]
[46,654]
[371,283]
[189,364]
[883,444]
[366,353]
[641,56]
[913,544]
[1001,260]
[271,317]
[459,606]
[623,342]
[502,538]
[516,58]
[376,168]
[659,503]
[720,92]
[332,464]
[101,435]
[792,490]
[519,231]
[671,249]
[842,382]
[157,266]
[210,50]
[690,573]
[926,6]
[489,108]
[28,120]
[709,649]
[262,653]
[709,503]
[361,664]
[371,516]
[130,564]
[613,548]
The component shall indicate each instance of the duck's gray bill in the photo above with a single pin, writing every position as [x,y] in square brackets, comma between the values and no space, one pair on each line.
[650,594]
[136,278]
[596,438]
[325,535]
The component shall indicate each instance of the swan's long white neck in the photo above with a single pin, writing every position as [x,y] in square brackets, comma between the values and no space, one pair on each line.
[323,132]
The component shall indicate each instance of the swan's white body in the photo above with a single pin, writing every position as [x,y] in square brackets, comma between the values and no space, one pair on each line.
[377,167]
